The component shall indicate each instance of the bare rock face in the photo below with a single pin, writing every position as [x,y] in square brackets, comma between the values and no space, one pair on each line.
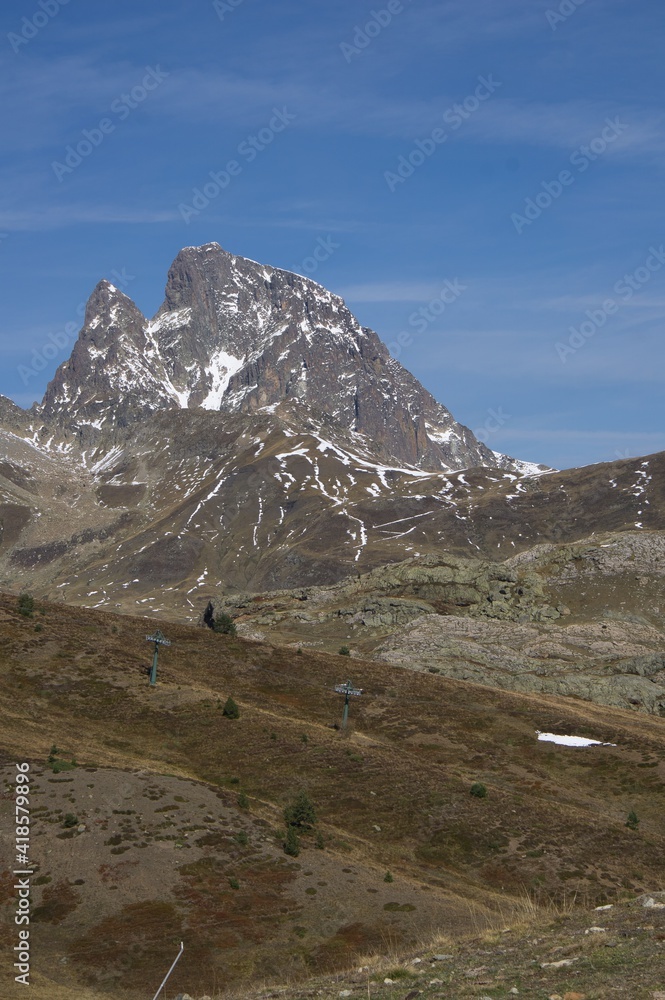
[235,336]
[114,375]
[612,663]
[239,336]
[12,417]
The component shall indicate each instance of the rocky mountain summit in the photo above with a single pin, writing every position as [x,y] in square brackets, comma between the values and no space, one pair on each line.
[237,337]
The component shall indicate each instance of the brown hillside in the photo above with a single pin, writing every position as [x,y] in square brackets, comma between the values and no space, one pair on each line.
[168,852]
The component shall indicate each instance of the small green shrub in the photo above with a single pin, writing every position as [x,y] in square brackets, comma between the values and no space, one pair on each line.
[231,710]
[242,838]
[478,790]
[234,883]
[243,801]
[301,812]
[319,843]
[388,877]
[70,820]
[62,765]
[632,822]
[26,605]
[398,973]
[224,624]
[57,765]
[344,651]
[291,842]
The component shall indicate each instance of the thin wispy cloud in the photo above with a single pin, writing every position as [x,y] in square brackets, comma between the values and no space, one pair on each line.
[59,216]
[39,98]
[568,125]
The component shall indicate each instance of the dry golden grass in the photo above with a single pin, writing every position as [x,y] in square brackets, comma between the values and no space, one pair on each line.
[550,835]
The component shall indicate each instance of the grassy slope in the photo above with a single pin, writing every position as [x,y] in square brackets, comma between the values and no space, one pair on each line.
[393,794]
[556,955]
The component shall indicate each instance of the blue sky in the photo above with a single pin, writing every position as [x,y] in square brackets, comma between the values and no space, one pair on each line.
[529,136]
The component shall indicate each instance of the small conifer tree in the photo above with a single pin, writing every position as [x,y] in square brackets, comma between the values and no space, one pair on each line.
[224,624]
[632,822]
[478,790]
[231,710]
[26,605]
[291,843]
[301,812]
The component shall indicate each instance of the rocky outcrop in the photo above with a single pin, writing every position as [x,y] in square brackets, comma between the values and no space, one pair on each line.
[570,620]
[612,663]
[12,417]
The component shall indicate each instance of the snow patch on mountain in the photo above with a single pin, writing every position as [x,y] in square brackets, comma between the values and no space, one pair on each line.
[221,369]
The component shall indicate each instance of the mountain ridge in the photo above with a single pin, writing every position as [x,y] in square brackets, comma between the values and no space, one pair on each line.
[236,336]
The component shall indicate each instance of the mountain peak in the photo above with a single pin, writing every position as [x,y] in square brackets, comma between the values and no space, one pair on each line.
[106,305]
[236,336]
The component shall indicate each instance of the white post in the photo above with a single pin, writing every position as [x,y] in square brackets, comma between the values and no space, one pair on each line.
[182,948]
